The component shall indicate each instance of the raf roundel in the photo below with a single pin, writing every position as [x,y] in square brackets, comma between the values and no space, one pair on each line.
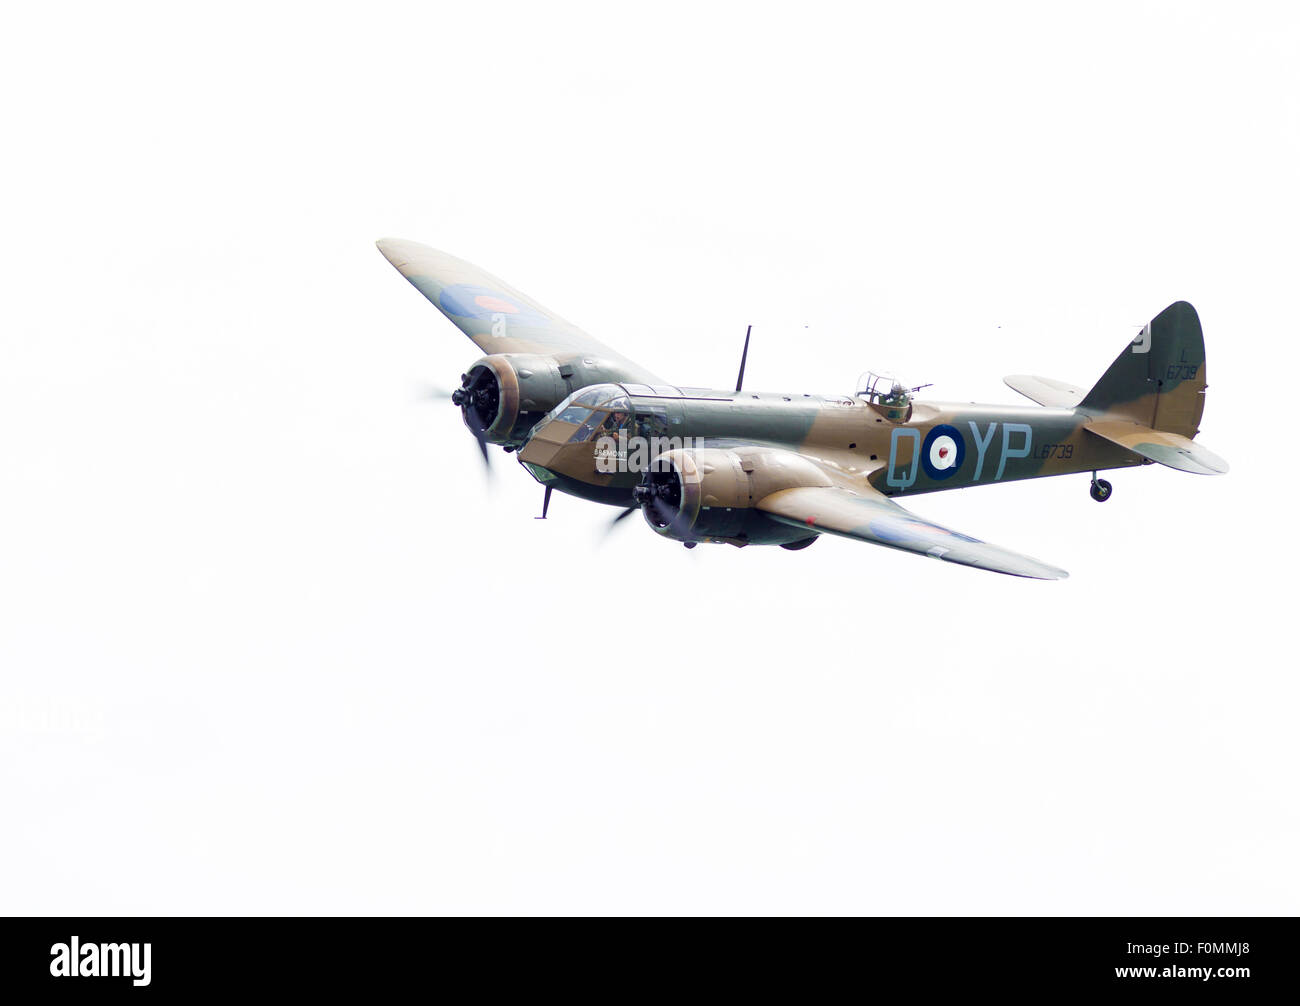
[943,452]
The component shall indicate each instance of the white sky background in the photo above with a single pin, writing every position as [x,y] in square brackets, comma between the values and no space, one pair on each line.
[270,643]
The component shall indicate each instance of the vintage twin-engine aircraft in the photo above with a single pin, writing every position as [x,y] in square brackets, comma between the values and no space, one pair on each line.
[782,469]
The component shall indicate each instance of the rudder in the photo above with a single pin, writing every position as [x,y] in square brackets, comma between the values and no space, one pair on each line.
[1159,379]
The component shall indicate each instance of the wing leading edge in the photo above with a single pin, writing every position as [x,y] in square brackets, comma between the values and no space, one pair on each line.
[496,316]
[867,515]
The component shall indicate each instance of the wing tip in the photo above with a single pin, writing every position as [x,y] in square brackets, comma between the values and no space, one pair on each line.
[396,250]
[1034,571]
[411,258]
[1045,571]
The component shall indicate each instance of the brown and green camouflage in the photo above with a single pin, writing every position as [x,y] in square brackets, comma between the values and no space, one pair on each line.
[744,468]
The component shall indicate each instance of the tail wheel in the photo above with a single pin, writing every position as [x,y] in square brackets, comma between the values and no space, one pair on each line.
[1100,490]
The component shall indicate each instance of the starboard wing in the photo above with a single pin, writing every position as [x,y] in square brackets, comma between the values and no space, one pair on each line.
[495,316]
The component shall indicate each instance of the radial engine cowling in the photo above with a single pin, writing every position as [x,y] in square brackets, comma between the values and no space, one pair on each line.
[709,494]
[504,395]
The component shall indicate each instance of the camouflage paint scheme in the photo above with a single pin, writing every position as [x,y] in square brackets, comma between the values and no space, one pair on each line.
[786,468]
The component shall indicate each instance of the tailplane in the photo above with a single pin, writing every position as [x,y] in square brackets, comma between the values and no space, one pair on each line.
[1169,449]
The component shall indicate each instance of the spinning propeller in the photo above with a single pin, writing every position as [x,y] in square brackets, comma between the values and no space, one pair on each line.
[473,403]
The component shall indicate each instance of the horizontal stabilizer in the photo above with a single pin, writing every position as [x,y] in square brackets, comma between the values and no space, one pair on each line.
[1169,449]
[1045,391]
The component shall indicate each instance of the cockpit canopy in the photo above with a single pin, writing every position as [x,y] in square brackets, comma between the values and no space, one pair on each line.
[606,409]
[600,406]
[578,406]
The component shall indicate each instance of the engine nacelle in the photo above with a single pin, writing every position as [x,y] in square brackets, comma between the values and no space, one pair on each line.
[709,494]
[505,395]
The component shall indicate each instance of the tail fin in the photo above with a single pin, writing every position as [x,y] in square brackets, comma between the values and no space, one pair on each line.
[1159,379]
